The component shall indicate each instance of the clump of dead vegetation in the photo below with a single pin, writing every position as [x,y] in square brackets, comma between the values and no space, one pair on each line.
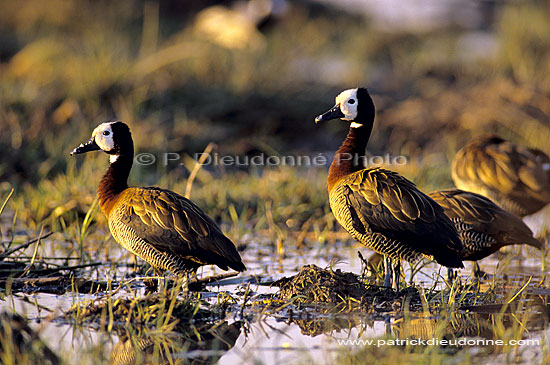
[316,285]
[313,284]
[165,311]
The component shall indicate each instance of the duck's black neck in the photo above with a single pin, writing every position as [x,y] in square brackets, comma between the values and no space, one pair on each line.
[351,155]
[114,181]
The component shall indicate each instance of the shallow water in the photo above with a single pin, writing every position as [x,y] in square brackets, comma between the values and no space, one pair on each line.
[315,337]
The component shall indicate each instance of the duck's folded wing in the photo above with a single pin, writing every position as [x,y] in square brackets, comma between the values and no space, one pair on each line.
[172,223]
[387,203]
[484,216]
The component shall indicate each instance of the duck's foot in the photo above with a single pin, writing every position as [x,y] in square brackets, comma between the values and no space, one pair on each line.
[151,286]
[477,272]
[156,285]
[451,275]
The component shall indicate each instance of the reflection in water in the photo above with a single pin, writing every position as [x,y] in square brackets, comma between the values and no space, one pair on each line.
[487,328]
[301,331]
[202,345]
[427,326]
[316,325]
[487,322]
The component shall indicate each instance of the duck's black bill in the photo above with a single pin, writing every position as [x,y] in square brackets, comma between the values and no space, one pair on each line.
[86,147]
[333,113]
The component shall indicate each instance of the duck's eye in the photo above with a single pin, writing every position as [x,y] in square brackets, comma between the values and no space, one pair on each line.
[106,133]
[351,101]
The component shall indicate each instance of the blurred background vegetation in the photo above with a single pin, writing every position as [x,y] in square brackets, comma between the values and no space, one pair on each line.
[251,76]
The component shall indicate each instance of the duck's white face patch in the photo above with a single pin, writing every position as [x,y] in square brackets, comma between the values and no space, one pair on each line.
[103,136]
[348,102]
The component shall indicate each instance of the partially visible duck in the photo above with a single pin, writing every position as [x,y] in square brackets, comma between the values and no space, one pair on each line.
[483,226]
[516,178]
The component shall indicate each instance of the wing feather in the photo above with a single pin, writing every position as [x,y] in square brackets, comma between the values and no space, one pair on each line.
[171,223]
[485,217]
[382,201]
[506,168]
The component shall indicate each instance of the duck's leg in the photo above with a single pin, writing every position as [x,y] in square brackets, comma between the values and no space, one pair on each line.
[387,325]
[451,275]
[162,284]
[396,274]
[388,270]
[478,273]
[161,280]
[185,284]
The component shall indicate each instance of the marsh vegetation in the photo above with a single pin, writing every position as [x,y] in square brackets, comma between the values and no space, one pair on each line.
[69,293]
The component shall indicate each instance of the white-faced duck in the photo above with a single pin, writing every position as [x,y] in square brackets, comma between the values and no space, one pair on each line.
[162,227]
[380,208]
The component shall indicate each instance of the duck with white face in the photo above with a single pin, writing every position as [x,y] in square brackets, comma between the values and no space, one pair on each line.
[102,139]
[165,229]
[378,207]
[349,108]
